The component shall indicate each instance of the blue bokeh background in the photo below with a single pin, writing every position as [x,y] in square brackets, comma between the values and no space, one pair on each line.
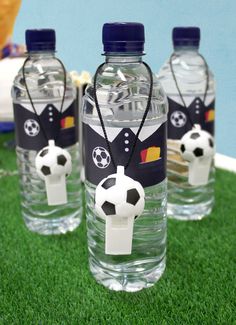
[79,23]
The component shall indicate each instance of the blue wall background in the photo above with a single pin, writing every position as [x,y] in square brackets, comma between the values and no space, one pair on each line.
[79,22]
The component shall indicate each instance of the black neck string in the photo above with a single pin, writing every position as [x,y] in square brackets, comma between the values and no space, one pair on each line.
[178,89]
[142,121]
[31,100]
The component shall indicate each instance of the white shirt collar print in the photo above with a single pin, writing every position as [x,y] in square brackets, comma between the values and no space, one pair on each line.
[189,99]
[112,133]
[41,107]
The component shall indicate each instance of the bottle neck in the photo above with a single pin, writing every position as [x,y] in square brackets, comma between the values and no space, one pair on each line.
[41,54]
[121,58]
[184,49]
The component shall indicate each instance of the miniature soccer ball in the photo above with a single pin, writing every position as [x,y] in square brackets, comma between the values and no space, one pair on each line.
[53,164]
[197,147]
[53,161]
[197,144]
[101,157]
[119,200]
[120,196]
[31,127]
[178,119]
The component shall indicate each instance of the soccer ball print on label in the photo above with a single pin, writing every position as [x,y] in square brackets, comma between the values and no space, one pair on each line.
[101,157]
[178,119]
[31,127]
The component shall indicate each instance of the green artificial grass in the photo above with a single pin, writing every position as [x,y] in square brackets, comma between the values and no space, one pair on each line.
[46,280]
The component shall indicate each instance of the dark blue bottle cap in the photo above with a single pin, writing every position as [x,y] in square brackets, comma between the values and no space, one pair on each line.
[123,38]
[186,36]
[40,39]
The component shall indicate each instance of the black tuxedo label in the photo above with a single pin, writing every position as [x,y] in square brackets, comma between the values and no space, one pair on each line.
[148,164]
[178,121]
[62,126]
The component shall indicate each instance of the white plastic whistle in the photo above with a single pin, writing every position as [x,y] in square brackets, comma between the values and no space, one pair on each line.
[53,165]
[119,235]
[119,200]
[197,147]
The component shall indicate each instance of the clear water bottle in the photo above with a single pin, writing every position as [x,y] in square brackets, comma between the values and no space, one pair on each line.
[187,202]
[122,89]
[44,76]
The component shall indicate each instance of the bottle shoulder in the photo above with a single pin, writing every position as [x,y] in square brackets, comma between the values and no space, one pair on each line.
[114,76]
[190,73]
[186,65]
[122,92]
[45,79]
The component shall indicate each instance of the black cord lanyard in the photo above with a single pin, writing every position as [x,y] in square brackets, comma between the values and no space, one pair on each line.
[177,86]
[143,118]
[32,104]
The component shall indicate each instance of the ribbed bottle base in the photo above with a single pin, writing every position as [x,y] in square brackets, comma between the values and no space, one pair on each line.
[190,211]
[129,282]
[53,226]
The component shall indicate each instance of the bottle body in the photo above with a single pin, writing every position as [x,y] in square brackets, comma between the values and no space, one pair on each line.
[44,77]
[122,91]
[187,202]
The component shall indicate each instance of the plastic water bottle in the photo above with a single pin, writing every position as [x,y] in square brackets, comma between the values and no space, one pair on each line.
[122,89]
[187,202]
[44,77]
